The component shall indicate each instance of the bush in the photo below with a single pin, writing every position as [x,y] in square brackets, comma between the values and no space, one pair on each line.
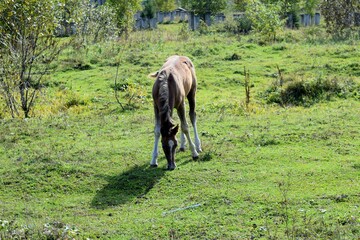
[203,28]
[233,57]
[244,25]
[184,33]
[237,26]
[265,19]
[307,93]
[339,16]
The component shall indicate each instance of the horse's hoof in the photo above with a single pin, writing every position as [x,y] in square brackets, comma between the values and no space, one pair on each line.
[195,158]
[171,167]
[153,165]
[182,149]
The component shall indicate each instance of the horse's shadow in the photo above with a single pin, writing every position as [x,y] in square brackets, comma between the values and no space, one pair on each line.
[126,187]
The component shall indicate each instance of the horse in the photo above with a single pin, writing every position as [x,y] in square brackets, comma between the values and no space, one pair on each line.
[174,81]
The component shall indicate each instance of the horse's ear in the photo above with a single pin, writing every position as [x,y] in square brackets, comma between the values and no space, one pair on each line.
[174,129]
[154,75]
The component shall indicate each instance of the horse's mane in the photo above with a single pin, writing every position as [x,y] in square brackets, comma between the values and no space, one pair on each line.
[164,106]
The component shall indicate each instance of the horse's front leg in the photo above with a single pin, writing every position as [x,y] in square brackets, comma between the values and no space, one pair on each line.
[182,141]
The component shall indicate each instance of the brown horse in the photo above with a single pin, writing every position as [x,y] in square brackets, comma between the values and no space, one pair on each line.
[174,81]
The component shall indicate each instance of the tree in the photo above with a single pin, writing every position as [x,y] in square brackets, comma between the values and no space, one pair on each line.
[240,5]
[148,9]
[94,23]
[202,7]
[265,18]
[309,6]
[339,15]
[27,47]
[286,6]
[164,5]
[125,11]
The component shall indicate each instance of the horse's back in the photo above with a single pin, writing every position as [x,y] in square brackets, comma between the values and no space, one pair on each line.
[177,76]
[179,62]
[183,71]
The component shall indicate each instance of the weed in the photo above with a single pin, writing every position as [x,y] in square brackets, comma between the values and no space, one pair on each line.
[264,140]
[315,35]
[134,96]
[203,28]
[207,156]
[247,86]
[200,51]
[279,47]
[74,100]
[301,223]
[184,33]
[233,57]
[53,230]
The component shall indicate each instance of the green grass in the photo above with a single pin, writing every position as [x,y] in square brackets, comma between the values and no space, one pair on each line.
[80,167]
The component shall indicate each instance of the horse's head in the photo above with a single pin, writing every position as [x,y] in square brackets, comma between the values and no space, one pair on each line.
[169,143]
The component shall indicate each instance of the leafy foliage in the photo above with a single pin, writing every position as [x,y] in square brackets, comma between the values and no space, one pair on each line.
[240,5]
[309,6]
[339,15]
[306,93]
[164,5]
[148,9]
[125,11]
[203,6]
[265,19]
[95,23]
[28,46]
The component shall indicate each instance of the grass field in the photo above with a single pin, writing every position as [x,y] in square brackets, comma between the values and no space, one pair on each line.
[80,167]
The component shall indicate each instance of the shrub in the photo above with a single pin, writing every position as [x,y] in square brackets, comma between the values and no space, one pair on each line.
[233,57]
[236,26]
[306,93]
[339,16]
[244,24]
[204,28]
[184,33]
[227,26]
[27,49]
[265,19]
[73,99]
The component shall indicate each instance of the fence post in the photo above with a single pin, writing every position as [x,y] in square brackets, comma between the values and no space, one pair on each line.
[208,18]
[191,20]
[317,18]
[160,17]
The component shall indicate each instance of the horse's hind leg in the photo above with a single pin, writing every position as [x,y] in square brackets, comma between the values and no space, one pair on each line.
[185,130]
[153,162]
[192,113]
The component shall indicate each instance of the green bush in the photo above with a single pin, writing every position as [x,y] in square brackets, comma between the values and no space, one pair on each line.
[307,93]
[236,26]
[244,25]
[74,100]
[265,19]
